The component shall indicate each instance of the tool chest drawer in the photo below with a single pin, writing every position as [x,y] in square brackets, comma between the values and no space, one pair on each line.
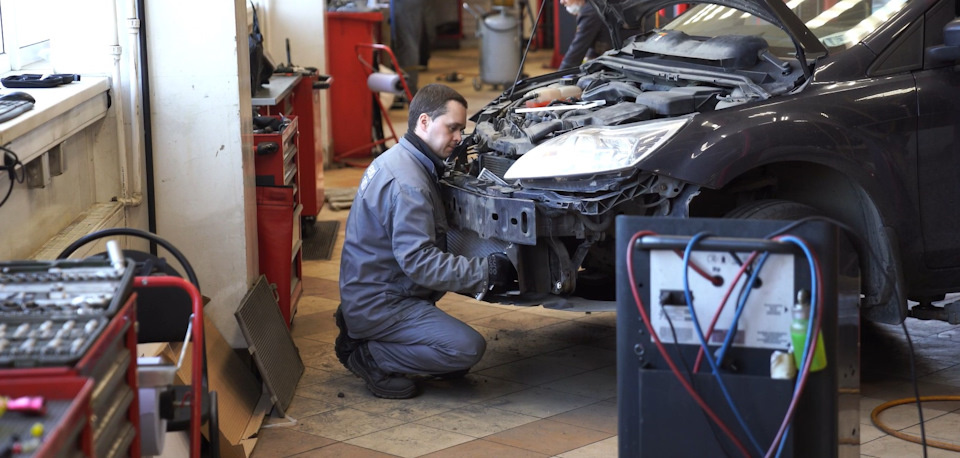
[276,156]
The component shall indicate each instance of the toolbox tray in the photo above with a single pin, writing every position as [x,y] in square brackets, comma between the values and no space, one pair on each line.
[65,424]
[64,355]
[46,280]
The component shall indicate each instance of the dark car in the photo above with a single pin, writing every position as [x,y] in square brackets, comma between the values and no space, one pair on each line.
[848,109]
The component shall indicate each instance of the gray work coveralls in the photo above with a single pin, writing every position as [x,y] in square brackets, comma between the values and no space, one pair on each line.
[394,268]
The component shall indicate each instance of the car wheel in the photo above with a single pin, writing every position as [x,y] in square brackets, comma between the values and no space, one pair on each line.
[773,209]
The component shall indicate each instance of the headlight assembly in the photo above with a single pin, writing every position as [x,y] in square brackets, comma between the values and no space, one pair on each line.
[592,150]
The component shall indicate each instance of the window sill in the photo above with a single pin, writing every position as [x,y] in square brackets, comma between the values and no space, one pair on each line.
[58,113]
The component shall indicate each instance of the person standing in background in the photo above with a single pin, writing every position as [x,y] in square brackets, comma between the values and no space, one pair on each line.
[410,37]
[591,37]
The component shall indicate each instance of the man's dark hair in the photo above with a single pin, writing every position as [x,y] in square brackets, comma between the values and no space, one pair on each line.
[432,99]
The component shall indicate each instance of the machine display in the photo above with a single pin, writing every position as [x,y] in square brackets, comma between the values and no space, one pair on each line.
[774,111]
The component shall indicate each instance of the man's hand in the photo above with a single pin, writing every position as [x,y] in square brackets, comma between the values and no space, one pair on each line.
[501,275]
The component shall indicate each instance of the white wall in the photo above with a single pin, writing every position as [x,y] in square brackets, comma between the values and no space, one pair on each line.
[202,132]
[32,216]
[304,22]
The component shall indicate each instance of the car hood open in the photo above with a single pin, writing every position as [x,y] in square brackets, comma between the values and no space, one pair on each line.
[628,14]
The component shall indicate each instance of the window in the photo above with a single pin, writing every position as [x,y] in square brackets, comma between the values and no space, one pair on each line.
[25,31]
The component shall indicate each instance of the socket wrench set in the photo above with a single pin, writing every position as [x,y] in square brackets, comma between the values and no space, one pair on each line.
[52,311]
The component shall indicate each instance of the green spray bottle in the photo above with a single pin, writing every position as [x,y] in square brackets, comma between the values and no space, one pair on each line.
[798,334]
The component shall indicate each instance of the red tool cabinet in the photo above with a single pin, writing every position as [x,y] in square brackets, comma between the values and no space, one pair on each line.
[109,418]
[279,209]
[299,96]
[350,97]
[280,167]
[278,237]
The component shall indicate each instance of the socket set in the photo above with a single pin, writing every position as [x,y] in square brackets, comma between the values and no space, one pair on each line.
[51,312]
[63,289]
[61,341]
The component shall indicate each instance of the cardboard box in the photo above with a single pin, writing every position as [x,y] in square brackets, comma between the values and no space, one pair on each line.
[239,392]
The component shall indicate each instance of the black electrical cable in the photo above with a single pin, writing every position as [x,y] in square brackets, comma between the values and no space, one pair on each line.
[10,163]
[916,388]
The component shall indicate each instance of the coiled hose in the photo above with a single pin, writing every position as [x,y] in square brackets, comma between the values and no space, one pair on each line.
[875,417]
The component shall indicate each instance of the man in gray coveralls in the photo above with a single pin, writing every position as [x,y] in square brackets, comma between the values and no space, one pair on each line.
[394,265]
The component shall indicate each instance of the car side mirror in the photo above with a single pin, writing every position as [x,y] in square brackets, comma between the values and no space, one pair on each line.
[950,49]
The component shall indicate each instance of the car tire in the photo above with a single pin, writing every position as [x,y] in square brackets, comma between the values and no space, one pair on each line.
[773,209]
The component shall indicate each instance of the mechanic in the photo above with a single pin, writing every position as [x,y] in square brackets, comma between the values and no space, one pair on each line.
[591,37]
[394,265]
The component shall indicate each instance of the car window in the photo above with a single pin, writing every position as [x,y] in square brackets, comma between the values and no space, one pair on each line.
[838,24]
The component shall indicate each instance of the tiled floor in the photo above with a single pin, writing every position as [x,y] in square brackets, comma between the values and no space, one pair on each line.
[547,384]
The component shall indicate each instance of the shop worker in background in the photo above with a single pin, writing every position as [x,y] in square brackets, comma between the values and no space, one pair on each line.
[395,266]
[592,37]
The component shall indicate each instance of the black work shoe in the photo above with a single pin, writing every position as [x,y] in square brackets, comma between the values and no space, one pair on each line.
[380,383]
[344,345]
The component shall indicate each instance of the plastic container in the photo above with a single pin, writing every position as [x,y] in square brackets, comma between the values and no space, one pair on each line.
[798,335]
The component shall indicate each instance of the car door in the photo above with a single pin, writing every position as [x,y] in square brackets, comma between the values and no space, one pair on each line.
[938,146]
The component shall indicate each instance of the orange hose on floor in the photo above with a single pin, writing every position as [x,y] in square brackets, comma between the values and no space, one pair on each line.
[875,417]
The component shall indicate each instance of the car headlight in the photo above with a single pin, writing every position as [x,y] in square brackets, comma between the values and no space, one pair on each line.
[592,150]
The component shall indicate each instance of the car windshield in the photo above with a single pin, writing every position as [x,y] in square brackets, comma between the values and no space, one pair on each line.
[838,24]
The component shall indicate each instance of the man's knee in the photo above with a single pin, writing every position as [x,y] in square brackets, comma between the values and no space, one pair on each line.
[470,348]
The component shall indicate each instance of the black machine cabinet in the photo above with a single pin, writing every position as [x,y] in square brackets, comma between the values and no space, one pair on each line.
[657,415]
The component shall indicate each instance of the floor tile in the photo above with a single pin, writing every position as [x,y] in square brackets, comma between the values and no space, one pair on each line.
[282,442]
[582,356]
[326,360]
[343,424]
[539,402]
[319,287]
[516,321]
[476,421]
[467,312]
[313,376]
[904,416]
[945,428]
[304,325]
[310,304]
[410,440]
[520,342]
[473,388]
[553,437]
[601,416]
[948,376]
[869,432]
[409,410]
[579,332]
[304,407]
[342,391]
[889,446]
[484,449]
[608,319]
[343,450]
[598,384]
[532,371]
[602,449]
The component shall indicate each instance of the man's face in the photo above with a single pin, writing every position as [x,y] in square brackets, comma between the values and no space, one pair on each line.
[444,132]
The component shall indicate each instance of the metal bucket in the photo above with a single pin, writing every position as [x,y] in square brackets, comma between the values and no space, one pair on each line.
[499,33]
